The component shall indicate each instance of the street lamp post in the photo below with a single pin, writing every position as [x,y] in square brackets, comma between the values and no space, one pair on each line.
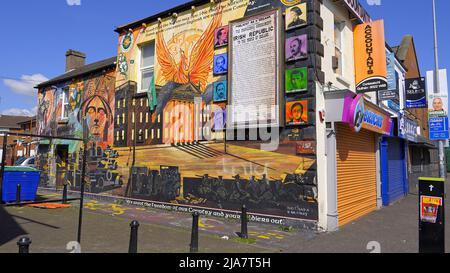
[442,167]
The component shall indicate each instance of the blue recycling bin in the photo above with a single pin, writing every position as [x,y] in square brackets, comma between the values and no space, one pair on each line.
[27,177]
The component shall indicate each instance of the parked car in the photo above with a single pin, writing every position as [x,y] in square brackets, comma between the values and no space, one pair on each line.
[27,162]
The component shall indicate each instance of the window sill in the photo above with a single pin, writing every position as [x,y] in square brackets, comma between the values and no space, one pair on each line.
[343,80]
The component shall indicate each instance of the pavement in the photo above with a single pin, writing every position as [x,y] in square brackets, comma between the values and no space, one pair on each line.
[106,229]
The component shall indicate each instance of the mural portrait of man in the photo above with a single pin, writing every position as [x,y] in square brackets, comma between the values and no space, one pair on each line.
[296,80]
[296,47]
[221,64]
[296,16]
[297,112]
[220,91]
[221,36]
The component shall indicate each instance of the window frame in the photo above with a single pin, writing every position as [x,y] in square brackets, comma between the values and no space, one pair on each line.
[146,69]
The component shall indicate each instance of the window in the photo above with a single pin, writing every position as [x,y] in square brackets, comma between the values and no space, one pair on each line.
[118,119]
[338,45]
[147,66]
[64,104]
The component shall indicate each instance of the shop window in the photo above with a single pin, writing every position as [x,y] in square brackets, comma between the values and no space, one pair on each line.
[147,66]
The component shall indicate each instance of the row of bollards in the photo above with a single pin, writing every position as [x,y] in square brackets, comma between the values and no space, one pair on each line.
[195,231]
[25,242]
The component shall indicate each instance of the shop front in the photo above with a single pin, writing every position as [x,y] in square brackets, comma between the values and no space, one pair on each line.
[357,135]
[394,175]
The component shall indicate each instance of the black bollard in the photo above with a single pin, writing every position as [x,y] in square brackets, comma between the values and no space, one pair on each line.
[64,199]
[133,237]
[24,245]
[244,221]
[194,237]
[18,192]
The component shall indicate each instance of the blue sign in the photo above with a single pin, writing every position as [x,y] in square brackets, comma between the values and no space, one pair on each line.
[391,77]
[407,128]
[394,106]
[439,129]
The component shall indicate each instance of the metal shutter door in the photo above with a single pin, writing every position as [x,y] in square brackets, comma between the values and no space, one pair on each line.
[356,174]
[396,170]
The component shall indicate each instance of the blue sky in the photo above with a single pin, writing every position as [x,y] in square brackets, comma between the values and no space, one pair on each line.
[38,33]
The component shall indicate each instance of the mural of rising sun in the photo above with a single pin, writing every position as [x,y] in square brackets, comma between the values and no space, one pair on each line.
[198,66]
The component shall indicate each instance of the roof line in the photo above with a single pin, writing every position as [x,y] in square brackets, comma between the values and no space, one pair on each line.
[165,13]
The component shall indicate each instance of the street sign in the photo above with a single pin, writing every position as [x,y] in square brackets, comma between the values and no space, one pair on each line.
[432,215]
[439,129]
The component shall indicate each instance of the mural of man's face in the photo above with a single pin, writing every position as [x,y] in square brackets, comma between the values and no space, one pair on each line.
[294,15]
[438,105]
[220,63]
[97,114]
[297,112]
[220,90]
[221,36]
[297,79]
[295,47]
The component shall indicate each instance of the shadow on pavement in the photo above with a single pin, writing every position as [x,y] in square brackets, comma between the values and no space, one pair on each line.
[9,228]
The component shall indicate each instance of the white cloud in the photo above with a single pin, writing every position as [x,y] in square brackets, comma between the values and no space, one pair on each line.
[20,112]
[26,84]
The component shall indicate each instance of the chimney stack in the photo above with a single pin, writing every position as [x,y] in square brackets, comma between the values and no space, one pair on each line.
[74,59]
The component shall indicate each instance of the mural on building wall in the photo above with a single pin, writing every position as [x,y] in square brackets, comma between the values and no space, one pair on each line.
[281,182]
[62,111]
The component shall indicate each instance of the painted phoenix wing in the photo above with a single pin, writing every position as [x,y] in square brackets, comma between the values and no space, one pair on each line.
[168,65]
[202,55]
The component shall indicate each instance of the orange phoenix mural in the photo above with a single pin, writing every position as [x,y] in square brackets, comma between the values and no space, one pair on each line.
[198,66]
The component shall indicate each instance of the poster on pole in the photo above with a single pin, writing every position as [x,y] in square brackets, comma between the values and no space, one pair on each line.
[254,77]
[438,119]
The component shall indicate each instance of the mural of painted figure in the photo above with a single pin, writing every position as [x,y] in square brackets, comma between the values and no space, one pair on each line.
[46,111]
[99,117]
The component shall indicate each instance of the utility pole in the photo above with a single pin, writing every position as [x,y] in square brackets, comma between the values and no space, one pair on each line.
[442,167]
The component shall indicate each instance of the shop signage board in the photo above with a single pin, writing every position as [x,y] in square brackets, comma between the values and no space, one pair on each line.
[370,57]
[360,114]
[407,128]
[388,95]
[391,77]
[416,96]
[432,215]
